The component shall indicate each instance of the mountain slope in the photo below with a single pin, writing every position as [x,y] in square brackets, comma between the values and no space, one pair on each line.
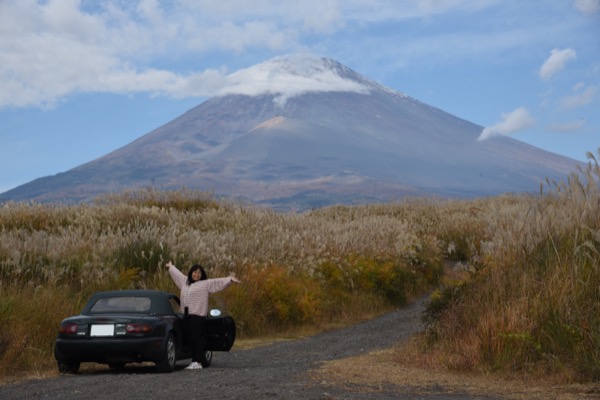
[314,133]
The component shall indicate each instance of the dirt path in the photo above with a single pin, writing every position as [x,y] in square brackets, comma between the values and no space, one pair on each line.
[280,370]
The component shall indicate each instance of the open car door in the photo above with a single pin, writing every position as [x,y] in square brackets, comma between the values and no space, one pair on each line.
[220,333]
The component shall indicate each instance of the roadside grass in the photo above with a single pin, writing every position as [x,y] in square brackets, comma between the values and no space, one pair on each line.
[530,303]
[413,374]
[521,294]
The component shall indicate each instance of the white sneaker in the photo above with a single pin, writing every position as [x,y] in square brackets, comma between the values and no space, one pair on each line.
[194,365]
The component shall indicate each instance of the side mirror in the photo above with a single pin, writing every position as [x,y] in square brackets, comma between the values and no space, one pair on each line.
[215,312]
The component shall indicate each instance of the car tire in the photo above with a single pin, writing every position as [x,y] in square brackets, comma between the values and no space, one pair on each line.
[168,355]
[68,366]
[206,358]
[65,365]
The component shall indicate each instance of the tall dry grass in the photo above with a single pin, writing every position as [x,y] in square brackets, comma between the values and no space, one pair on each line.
[523,295]
[531,302]
[336,264]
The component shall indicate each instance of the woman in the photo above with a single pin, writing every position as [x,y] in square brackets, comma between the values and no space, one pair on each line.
[195,289]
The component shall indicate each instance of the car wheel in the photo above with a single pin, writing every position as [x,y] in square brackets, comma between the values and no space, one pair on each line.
[206,358]
[68,366]
[168,356]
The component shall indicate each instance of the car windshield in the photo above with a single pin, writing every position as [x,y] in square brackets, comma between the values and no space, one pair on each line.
[121,304]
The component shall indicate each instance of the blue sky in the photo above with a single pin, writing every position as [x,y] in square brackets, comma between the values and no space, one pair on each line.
[81,78]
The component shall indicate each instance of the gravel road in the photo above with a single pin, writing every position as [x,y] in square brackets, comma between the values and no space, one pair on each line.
[276,371]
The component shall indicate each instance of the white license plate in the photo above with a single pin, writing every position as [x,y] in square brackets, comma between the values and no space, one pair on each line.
[102,330]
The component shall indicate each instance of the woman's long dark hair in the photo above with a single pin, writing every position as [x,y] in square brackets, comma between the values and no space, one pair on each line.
[196,267]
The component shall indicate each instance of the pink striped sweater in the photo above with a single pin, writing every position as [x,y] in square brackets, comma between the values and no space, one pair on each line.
[195,296]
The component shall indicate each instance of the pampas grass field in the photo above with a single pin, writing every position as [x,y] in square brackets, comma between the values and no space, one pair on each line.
[514,279]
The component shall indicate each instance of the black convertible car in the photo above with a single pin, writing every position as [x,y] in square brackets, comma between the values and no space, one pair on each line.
[119,327]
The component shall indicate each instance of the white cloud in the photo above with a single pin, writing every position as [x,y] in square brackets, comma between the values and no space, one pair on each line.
[556,62]
[63,49]
[588,6]
[54,48]
[515,121]
[580,99]
[288,77]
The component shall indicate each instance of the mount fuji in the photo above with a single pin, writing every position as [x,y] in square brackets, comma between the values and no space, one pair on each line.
[301,132]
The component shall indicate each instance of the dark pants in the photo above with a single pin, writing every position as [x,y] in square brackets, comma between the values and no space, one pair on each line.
[194,330]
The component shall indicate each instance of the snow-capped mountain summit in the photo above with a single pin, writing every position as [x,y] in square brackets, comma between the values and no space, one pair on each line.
[300,132]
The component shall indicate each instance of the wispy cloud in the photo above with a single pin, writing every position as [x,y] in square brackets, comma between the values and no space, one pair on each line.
[588,6]
[556,62]
[583,97]
[515,121]
[54,48]
[567,127]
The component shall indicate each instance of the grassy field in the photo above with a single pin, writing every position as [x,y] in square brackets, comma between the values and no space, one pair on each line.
[522,293]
